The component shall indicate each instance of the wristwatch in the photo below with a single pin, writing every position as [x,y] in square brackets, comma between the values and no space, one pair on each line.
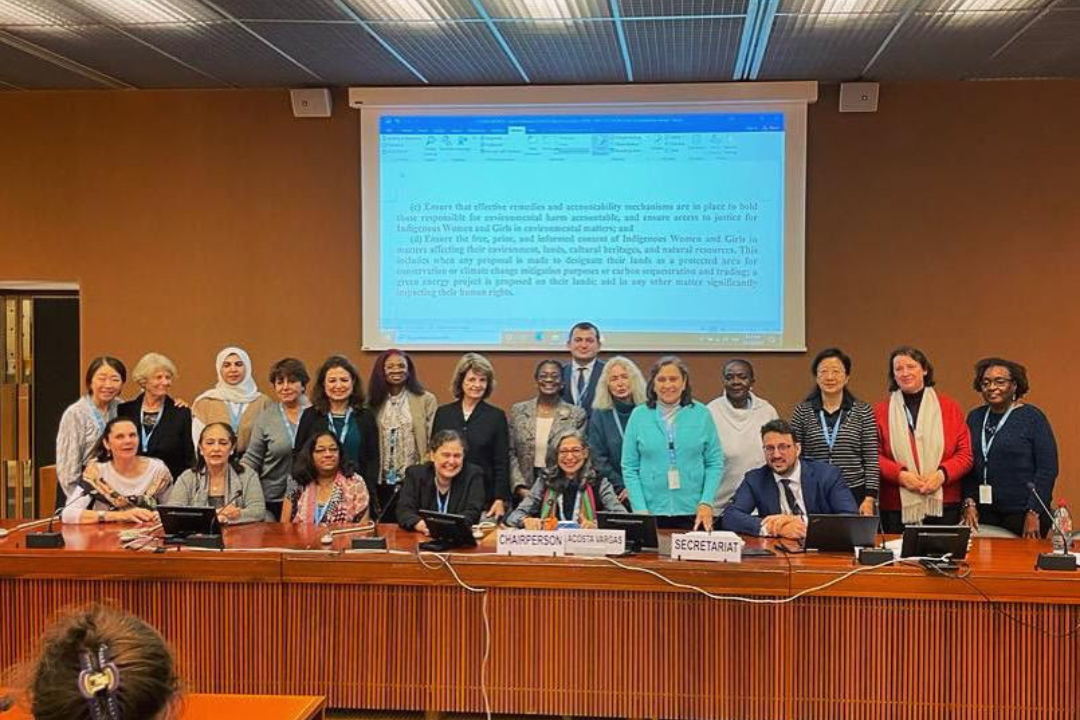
[101,516]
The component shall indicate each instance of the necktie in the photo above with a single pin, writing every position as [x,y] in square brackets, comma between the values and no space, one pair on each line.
[580,384]
[789,494]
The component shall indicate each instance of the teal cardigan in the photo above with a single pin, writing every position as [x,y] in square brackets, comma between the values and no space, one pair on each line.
[645,459]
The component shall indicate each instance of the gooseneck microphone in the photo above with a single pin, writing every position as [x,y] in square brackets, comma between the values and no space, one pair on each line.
[1063,560]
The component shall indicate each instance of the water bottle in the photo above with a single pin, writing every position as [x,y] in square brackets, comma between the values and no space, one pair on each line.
[1064,521]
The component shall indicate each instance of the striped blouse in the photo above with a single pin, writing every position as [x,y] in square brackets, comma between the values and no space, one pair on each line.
[855,451]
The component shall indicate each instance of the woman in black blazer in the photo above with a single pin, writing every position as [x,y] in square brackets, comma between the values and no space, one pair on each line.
[444,484]
[484,427]
[338,407]
[164,428]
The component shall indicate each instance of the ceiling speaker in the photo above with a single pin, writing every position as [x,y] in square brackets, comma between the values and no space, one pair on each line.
[858,97]
[311,103]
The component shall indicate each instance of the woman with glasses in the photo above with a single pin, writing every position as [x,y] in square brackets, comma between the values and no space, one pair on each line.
[567,490]
[834,426]
[1014,448]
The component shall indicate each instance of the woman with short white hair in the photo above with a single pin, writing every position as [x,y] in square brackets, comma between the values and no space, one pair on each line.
[620,389]
[164,427]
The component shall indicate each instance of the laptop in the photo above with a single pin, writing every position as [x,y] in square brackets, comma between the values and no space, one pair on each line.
[180,521]
[840,532]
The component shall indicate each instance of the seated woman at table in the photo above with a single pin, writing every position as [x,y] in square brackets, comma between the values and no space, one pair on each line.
[219,480]
[121,485]
[1014,448]
[568,489]
[235,399]
[164,426]
[533,422]
[324,490]
[924,447]
[672,456]
[99,663]
[446,484]
[82,423]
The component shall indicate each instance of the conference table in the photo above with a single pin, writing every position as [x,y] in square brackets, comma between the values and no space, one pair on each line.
[194,706]
[785,636]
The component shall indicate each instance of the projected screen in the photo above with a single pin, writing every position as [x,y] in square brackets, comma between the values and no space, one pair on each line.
[501,229]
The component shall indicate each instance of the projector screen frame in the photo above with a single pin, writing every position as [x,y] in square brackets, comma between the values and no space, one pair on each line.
[791,98]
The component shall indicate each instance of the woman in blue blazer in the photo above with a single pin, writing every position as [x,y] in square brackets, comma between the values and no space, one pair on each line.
[671,455]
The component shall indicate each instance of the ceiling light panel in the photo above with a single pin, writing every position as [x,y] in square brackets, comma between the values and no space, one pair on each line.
[148,12]
[340,54]
[581,52]
[684,50]
[824,47]
[843,7]
[413,11]
[14,13]
[673,8]
[552,10]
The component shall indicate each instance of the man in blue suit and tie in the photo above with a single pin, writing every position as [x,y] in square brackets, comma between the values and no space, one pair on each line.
[786,489]
[581,375]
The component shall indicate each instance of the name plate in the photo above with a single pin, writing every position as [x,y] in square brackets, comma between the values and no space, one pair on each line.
[531,542]
[594,542]
[714,547]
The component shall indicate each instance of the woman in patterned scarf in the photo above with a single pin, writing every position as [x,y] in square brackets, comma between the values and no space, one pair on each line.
[567,490]
[323,490]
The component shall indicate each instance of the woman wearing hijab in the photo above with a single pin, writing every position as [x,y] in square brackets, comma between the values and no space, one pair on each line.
[923,444]
[235,399]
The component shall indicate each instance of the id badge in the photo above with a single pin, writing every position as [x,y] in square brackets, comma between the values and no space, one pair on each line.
[986,494]
[673,479]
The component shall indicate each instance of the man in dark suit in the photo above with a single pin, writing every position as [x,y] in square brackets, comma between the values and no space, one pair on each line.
[581,375]
[786,489]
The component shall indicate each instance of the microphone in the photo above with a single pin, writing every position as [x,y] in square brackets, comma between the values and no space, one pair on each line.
[1052,560]
[47,539]
[4,532]
[375,542]
[879,554]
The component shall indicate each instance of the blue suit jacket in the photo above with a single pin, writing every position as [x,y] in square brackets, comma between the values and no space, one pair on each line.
[590,387]
[823,491]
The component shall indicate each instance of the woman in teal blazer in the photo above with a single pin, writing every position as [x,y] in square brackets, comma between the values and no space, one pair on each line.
[672,459]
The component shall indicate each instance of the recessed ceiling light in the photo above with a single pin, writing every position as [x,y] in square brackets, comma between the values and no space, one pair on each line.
[140,12]
[15,12]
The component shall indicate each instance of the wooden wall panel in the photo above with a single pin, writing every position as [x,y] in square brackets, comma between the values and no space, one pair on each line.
[227,636]
[196,219]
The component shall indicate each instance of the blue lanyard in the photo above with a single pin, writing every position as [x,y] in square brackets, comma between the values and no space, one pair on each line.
[987,443]
[145,436]
[618,422]
[830,440]
[236,411]
[442,502]
[289,427]
[344,427]
[670,429]
[910,420]
[99,419]
[320,514]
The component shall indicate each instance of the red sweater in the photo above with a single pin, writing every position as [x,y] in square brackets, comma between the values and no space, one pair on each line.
[956,459]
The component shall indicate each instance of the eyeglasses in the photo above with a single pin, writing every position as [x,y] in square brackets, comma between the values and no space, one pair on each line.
[830,372]
[784,448]
[571,451]
[549,376]
[998,382]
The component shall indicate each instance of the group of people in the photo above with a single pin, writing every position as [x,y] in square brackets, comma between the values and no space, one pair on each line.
[598,436]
